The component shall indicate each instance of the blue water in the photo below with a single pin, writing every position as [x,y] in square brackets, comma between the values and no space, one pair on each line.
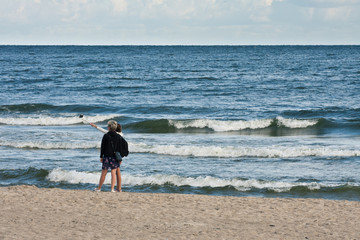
[272,121]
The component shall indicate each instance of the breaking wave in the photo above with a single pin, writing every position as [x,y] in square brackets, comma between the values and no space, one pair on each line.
[234,152]
[75,177]
[50,145]
[224,126]
[167,125]
[42,107]
[52,121]
[200,151]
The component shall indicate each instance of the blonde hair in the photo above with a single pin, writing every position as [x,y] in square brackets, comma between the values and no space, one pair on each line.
[112,125]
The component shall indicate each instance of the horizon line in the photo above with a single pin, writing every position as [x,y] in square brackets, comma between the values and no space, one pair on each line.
[180,45]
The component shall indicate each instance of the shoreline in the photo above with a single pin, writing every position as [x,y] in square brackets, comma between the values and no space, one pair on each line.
[28,212]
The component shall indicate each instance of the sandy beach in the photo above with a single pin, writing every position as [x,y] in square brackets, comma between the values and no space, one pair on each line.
[28,212]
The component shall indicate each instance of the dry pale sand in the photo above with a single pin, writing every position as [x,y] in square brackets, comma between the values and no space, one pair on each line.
[28,212]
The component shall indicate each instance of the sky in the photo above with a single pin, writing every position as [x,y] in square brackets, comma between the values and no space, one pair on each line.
[179,22]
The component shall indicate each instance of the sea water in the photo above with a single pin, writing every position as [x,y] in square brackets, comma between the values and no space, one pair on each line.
[271,121]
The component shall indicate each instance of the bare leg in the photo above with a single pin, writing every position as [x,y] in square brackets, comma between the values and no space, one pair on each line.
[102,178]
[113,179]
[118,177]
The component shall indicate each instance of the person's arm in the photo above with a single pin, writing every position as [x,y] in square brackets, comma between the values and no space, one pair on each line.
[98,128]
[102,148]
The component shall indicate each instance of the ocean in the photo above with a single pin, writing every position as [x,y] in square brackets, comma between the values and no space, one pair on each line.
[264,121]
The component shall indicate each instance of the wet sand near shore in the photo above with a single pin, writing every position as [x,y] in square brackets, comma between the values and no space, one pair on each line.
[28,212]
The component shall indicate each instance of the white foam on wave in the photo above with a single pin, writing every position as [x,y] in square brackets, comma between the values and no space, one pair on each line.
[199,151]
[234,152]
[296,123]
[75,177]
[52,121]
[221,126]
[51,145]
[226,126]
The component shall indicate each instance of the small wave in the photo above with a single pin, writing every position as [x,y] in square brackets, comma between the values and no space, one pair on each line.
[29,107]
[296,123]
[165,125]
[199,151]
[235,152]
[41,107]
[50,145]
[325,112]
[75,177]
[221,126]
[224,126]
[51,121]
[23,173]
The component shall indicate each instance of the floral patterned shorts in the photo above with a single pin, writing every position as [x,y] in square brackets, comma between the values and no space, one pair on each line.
[110,162]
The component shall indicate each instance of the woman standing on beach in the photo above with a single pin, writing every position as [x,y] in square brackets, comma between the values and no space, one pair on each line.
[118,174]
[109,144]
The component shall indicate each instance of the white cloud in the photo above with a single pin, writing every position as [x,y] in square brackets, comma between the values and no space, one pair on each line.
[119,5]
[341,13]
[310,12]
[268,3]
[324,3]
[17,14]
[157,2]
[260,10]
